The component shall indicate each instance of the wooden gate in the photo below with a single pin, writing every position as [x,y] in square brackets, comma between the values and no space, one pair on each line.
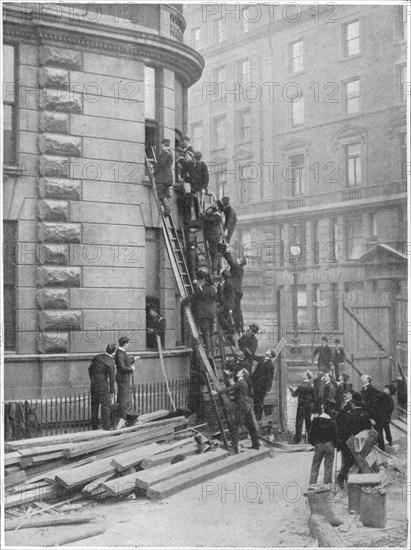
[370,335]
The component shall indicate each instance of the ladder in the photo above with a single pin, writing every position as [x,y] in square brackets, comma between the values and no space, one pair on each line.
[185,288]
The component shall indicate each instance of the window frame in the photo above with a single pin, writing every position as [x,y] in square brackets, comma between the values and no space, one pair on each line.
[347,40]
[349,225]
[195,126]
[402,82]
[348,157]
[240,72]
[297,100]
[14,109]
[241,128]
[402,136]
[10,317]
[400,23]
[216,120]
[347,99]
[293,58]
[196,43]
[297,185]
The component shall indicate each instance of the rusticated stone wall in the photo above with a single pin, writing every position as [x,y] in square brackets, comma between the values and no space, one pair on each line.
[56,232]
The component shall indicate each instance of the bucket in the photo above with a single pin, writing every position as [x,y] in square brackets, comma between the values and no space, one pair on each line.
[373,509]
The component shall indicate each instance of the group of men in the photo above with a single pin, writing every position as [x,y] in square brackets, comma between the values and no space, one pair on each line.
[342,413]
[105,368]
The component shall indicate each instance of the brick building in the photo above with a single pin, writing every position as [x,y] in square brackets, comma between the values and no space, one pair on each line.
[301,114]
[86,87]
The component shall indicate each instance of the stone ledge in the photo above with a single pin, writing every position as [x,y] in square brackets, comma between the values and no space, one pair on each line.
[59,232]
[59,57]
[63,146]
[54,254]
[57,276]
[53,298]
[59,188]
[51,210]
[55,123]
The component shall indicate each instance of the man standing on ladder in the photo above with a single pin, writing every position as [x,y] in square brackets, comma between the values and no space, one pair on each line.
[164,176]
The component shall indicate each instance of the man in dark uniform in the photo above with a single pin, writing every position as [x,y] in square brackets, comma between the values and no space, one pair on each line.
[124,367]
[325,355]
[261,380]
[371,403]
[338,357]
[199,181]
[213,233]
[230,217]
[306,397]
[323,437]
[328,389]
[237,274]
[386,408]
[101,373]
[248,344]
[243,413]
[155,326]
[164,176]
[184,194]
[185,142]
[351,420]
[225,303]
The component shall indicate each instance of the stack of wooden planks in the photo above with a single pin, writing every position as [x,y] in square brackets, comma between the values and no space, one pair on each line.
[156,459]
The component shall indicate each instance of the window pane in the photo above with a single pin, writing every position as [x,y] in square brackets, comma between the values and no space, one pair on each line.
[297,108]
[352,30]
[354,149]
[150,92]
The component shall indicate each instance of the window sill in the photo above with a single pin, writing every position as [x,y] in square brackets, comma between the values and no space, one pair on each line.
[349,57]
[298,73]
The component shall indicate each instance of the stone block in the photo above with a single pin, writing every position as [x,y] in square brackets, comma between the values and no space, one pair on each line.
[69,189]
[95,212]
[55,254]
[59,232]
[28,143]
[113,66]
[59,57]
[53,298]
[118,235]
[56,276]
[117,298]
[109,149]
[107,170]
[50,210]
[94,87]
[92,126]
[54,167]
[53,342]
[65,146]
[115,110]
[55,123]
[28,53]
[117,277]
[59,320]
[54,78]
[28,120]
[61,101]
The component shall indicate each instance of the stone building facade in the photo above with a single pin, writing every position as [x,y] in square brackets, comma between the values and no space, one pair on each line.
[301,115]
[86,88]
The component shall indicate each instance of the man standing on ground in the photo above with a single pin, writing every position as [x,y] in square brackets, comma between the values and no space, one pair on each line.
[371,402]
[338,358]
[164,176]
[262,379]
[323,437]
[124,369]
[325,355]
[306,397]
[101,372]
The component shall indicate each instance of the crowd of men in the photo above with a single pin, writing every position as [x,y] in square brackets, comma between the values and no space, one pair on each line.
[333,412]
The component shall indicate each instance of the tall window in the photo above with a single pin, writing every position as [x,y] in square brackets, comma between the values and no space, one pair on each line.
[197,136]
[196,38]
[352,97]
[373,226]
[353,164]
[315,242]
[403,155]
[316,300]
[331,254]
[219,30]
[243,72]
[9,283]
[9,105]
[244,125]
[219,133]
[297,111]
[219,77]
[402,83]
[302,306]
[354,238]
[352,38]
[334,306]
[150,92]
[295,174]
[297,236]
[282,243]
[245,19]
[220,181]
[296,57]
[401,22]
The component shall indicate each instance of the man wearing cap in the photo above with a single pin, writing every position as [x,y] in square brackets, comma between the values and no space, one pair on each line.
[261,380]
[323,437]
[351,420]
[386,408]
[199,181]
[155,326]
[338,357]
[225,304]
[325,355]
[371,403]
[230,217]
[101,373]
[213,233]
[164,176]
[328,389]
[237,274]
[306,397]
[186,145]
[248,344]
[124,365]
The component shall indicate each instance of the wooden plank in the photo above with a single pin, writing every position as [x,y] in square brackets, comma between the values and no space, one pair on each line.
[327,536]
[131,458]
[167,457]
[149,417]
[15,479]
[46,522]
[28,487]
[28,461]
[11,458]
[91,488]
[364,327]
[50,474]
[71,479]
[188,479]
[85,436]
[44,493]
[79,536]
[168,471]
